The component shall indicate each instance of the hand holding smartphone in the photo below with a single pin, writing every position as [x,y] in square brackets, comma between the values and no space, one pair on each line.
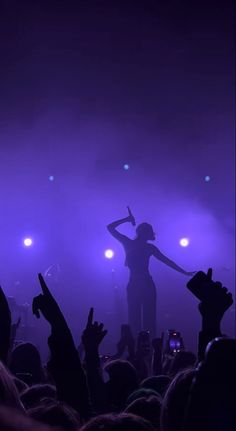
[202,285]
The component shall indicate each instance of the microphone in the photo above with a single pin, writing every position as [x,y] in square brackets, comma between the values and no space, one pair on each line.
[131,215]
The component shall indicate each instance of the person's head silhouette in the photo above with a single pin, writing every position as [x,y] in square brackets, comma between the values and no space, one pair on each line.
[145,232]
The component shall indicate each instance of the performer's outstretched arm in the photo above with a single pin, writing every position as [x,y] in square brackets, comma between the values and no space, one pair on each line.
[112,228]
[160,256]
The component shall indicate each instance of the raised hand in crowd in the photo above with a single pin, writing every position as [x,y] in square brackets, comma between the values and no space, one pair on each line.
[93,334]
[64,364]
[47,305]
[92,337]
[214,306]
[215,301]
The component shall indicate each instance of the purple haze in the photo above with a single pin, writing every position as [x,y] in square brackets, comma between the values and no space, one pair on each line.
[87,89]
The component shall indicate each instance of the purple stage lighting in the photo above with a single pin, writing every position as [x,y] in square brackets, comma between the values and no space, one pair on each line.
[28,242]
[207,178]
[126,167]
[51,178]
[109,254]
[184,242]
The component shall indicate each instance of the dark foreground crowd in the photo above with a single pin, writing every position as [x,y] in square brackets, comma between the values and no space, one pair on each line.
[139,388]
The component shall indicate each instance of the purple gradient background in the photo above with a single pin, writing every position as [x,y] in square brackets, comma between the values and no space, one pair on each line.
[86,87]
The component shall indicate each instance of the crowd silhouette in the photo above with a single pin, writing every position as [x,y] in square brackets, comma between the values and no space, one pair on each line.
[139,387]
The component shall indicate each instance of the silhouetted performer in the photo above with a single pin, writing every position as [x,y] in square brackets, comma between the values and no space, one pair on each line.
[141,290]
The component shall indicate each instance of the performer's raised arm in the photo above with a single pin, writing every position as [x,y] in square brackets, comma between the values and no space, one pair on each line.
[160,256]
[114,232]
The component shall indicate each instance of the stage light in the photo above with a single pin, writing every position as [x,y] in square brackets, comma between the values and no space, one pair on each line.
[184,242]
[126,166]
[109,254]
[28,242]
[207,178]
[51,178]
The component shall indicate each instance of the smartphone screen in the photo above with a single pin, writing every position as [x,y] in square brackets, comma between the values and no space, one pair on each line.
[174,342]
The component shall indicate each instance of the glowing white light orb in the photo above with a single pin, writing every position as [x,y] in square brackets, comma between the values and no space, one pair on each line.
[109,254]
[51,178]
[126,167]
[184,242]
[28,242]
[207,178]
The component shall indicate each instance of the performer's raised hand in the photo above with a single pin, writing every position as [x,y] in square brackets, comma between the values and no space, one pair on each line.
[131,217]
